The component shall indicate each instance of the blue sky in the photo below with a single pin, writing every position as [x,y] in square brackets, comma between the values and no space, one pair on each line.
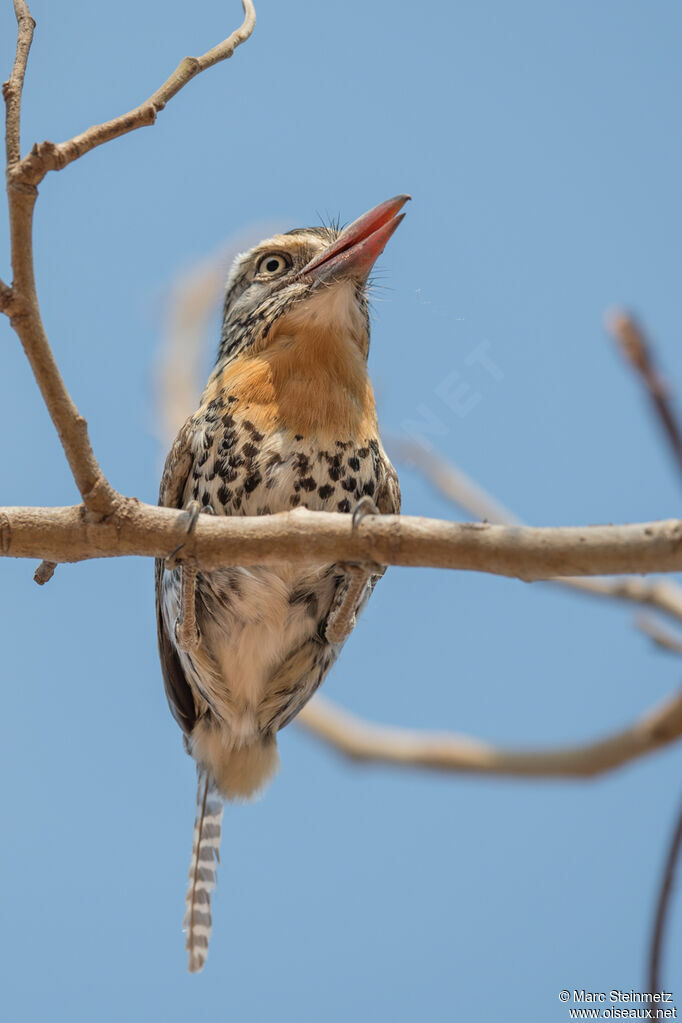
[541,145]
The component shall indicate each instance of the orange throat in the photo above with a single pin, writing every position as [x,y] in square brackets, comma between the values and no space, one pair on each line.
[311,375]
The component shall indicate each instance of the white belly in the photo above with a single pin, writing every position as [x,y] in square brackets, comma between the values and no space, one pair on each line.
[253,620]
[256,622]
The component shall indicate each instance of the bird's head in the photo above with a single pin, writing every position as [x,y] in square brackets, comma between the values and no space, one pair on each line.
[312,275]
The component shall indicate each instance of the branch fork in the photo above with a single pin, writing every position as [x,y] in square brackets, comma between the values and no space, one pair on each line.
[20,301]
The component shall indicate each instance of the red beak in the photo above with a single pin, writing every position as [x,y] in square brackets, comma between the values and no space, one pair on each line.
[359,245]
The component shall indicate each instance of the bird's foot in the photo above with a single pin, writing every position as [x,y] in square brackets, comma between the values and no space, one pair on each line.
[194,510]
[343,614]
[187,634]
[349,597]
[365,506]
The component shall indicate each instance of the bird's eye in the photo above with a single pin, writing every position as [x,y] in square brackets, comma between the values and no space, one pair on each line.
[273,263]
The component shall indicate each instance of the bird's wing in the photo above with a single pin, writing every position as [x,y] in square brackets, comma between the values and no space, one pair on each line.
[388,488]
[178,692]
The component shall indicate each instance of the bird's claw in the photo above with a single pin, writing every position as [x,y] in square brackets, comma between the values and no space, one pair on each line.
[365,506]
[194,510]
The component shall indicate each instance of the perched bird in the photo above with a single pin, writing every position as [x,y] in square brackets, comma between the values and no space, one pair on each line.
[287,419]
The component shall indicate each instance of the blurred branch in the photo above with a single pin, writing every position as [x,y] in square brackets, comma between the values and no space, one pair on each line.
[450,481]
[191,302]
[361,741]
[663,638]
[307,537]
[637,350]
[655,982]
[453,483]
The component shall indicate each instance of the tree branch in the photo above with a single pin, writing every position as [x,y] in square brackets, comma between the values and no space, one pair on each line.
[47,156]
[365,742]
[12,89]
[663,906]
[664,595]
[358,740]
[638,351]
[68,534]
[21,301]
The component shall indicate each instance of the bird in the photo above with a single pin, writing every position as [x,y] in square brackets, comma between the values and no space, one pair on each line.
[287,420]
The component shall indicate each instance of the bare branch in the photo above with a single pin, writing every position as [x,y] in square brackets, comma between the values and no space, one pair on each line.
[13,87]
[663,638]
[464,493]
[47,156]
[98,495]
[306,537]
[21,302]
[638,351]
[362,741]
[190,304]
[663,906]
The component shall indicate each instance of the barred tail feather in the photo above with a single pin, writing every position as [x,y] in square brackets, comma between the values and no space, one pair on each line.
[202,871]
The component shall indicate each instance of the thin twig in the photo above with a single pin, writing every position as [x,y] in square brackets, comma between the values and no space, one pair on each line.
[663,907]
[307,537]
[12,89]
[47,156]
[637,349]
[664,595]
[362,741]
[663,638]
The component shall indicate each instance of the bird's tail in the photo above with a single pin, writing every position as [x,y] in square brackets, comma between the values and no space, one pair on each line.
[202,871]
